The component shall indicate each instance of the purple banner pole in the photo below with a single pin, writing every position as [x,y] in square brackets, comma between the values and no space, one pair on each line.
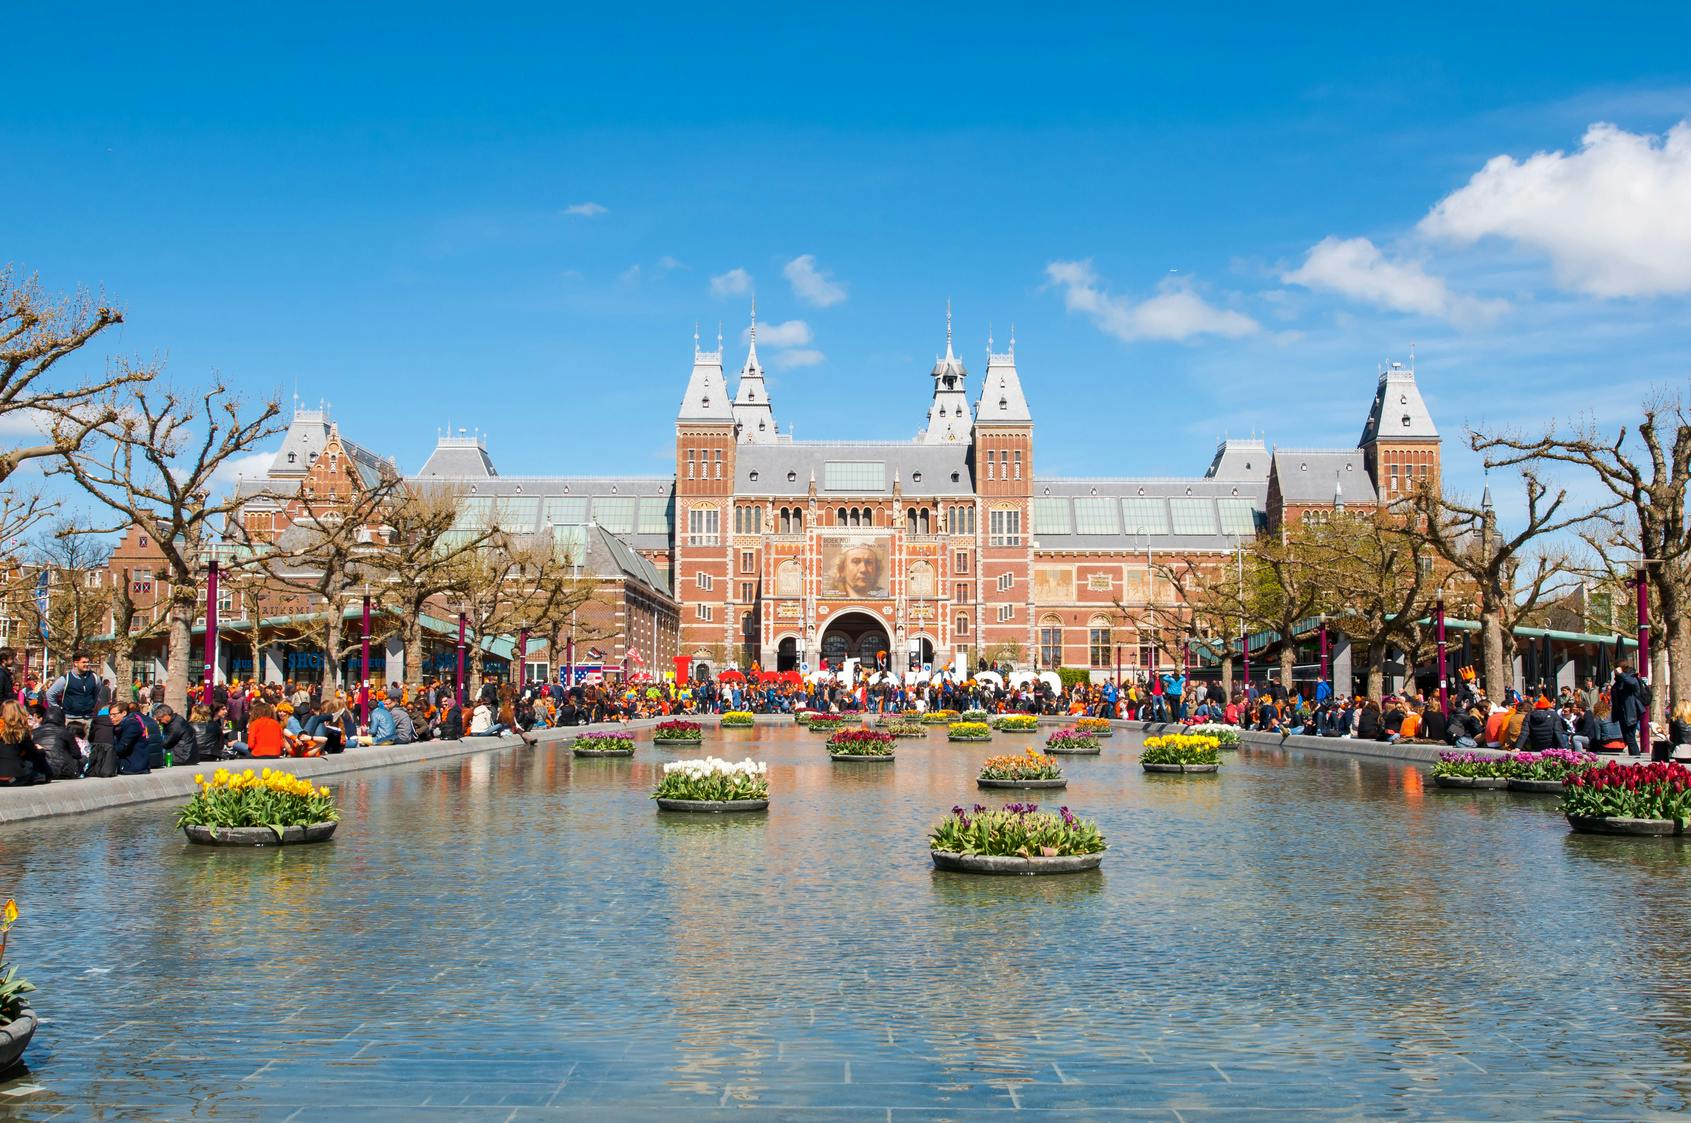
[364,667]
[1644,641]
[519,678]
[1444,686]
[569,667]
[462,623]
[211,630]
[1118,664]
[1324,652]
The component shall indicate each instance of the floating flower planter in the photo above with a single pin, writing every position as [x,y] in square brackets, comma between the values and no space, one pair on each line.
[17,1021]
[1636,799]
[269,808]
[1182,753]
[939,717]
[1017,839]
[1095,727]
[861,745]
[1546,773]
[1016,723]
[737,719]
[1471,771]
[1032,769]
[969,731]
[713,787]
[974,715]
[1071,741]
[1226,736]
[900,726]
[603,744]
[828,723]
[675,734]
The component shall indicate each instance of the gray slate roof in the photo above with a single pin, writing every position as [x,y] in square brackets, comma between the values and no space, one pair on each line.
[1239,460]
[1001,392]
[1398,411]
[786,469]
[706,397]
[458,458]
[608,556]
[1310,475]
[638,509]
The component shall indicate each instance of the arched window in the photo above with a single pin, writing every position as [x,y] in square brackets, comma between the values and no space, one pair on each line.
[1099,641]
[910,521]
[924,523]
[962,625]
[1050,642]
[798,521]
[786,520]
[840,519]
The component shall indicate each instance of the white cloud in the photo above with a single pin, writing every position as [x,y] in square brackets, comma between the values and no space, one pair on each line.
[735,282]
[630,276]
[793,333]
[799,357]
[667,262]
[811,284]
[1355,267]
[250,467]
[584,210]
[1614,218]
[1176,312]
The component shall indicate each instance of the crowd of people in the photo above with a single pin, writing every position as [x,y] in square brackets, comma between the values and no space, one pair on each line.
[80,724]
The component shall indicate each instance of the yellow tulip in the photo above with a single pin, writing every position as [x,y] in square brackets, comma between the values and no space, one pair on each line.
[10,913]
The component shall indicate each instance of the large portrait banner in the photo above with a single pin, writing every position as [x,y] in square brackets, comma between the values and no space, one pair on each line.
[856,566]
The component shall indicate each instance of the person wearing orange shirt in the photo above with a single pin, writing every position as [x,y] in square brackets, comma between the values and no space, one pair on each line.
[264,732]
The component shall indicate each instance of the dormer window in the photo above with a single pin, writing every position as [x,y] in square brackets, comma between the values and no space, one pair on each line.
[293,458]
[1406,421]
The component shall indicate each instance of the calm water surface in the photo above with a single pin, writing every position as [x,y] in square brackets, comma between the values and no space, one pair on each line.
[522,936]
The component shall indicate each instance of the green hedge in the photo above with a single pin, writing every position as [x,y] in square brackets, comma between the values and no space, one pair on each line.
[1073,676]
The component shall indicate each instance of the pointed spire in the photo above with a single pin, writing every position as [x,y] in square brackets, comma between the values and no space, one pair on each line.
[948,353]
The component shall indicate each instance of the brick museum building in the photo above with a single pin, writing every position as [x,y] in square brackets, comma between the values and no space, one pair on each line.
[943,550]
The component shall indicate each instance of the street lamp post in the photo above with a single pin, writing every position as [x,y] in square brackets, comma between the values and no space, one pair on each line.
[1244,635]
[520,677]
[364,664]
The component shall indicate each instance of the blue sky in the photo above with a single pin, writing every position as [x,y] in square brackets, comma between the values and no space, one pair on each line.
[1198,222]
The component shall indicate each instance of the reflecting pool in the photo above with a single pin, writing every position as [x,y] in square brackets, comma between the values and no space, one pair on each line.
[520,935]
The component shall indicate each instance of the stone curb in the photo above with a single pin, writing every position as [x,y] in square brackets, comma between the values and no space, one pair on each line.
[70,797]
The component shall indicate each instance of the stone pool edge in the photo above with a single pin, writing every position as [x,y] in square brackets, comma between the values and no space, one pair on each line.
[73,797]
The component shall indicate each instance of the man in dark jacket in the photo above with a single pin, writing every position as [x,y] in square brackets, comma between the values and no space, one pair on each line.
[1626,697]
[452,725]
[177,738]
[78,692]
[1543,729]
[58,744]
[8,685]
[154,734]
[129,741]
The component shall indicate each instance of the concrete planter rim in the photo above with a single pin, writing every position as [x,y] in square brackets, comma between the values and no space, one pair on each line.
[1472,783]
[876,757]
[969,740]
[1013,866]
[679,740]
[989,782]
[15,1036]
[259,836]
[1620,825]
[601,752]
[713,806]
[1540,787]
[1199,769]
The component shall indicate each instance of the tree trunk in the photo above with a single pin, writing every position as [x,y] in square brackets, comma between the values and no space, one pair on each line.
[1227,676]
[1678,686]
[332,649]
[179,658]
[1376,687]
[256,641]
[1497,676]
[123,665]
[1288,656]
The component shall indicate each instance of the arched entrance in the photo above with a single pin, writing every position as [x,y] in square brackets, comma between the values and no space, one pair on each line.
[921,653]
[787,654]
[854,635]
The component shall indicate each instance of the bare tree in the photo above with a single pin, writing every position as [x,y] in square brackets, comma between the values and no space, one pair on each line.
[425,556]
[36,332]
[332,549]
[78,596]
[156,466]
[1508,575]
[1650,480]
[1374,575]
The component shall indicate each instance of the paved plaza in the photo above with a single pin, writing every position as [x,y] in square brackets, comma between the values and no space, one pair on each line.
[519,935]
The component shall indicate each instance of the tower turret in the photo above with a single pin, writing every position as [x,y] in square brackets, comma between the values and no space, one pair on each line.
[948,415]
[753,415]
